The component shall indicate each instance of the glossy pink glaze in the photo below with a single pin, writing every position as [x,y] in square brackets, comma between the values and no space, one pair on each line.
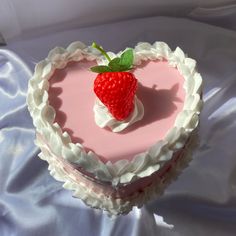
[160,90]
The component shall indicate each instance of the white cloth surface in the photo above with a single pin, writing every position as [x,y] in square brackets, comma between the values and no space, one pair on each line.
[202,200]
[18,17]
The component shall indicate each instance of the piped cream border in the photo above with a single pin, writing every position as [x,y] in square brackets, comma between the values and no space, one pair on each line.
[117,206]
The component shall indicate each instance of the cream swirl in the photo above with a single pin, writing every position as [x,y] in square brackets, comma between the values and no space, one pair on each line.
[103,117]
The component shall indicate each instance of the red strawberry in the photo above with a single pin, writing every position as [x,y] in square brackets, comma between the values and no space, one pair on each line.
[116,91]
[114,86]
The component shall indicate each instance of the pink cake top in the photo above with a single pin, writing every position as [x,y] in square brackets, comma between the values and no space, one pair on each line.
[160,90]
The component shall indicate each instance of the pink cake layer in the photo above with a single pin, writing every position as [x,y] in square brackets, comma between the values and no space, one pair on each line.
[124,192]
[160,90]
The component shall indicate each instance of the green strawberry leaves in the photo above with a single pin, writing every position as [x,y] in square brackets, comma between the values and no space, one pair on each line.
[114,64]
[100,69]
[127,58]
[122,63]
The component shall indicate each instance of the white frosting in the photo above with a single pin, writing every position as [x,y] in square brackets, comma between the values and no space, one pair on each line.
[114,206]
[103,117]
[123,171]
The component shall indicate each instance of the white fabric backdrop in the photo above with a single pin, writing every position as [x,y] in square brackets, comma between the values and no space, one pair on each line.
[20,16]
[202,201]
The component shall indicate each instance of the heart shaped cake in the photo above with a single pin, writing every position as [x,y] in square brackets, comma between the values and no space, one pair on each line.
[119,137]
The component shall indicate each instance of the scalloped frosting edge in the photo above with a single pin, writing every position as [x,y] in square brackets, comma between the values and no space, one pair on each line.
[117,206]
[143,164]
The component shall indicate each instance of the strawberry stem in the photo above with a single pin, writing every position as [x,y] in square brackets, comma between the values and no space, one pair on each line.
[99,48]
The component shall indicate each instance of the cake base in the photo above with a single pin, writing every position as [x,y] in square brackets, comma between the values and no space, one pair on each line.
[96,194]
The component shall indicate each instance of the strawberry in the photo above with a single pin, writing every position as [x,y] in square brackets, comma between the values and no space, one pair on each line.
[116,91]
[114,86]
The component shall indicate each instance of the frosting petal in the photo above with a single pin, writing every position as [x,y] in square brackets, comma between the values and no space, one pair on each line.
[103,118]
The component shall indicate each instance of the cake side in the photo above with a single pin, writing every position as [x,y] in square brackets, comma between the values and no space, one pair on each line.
[97,196]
